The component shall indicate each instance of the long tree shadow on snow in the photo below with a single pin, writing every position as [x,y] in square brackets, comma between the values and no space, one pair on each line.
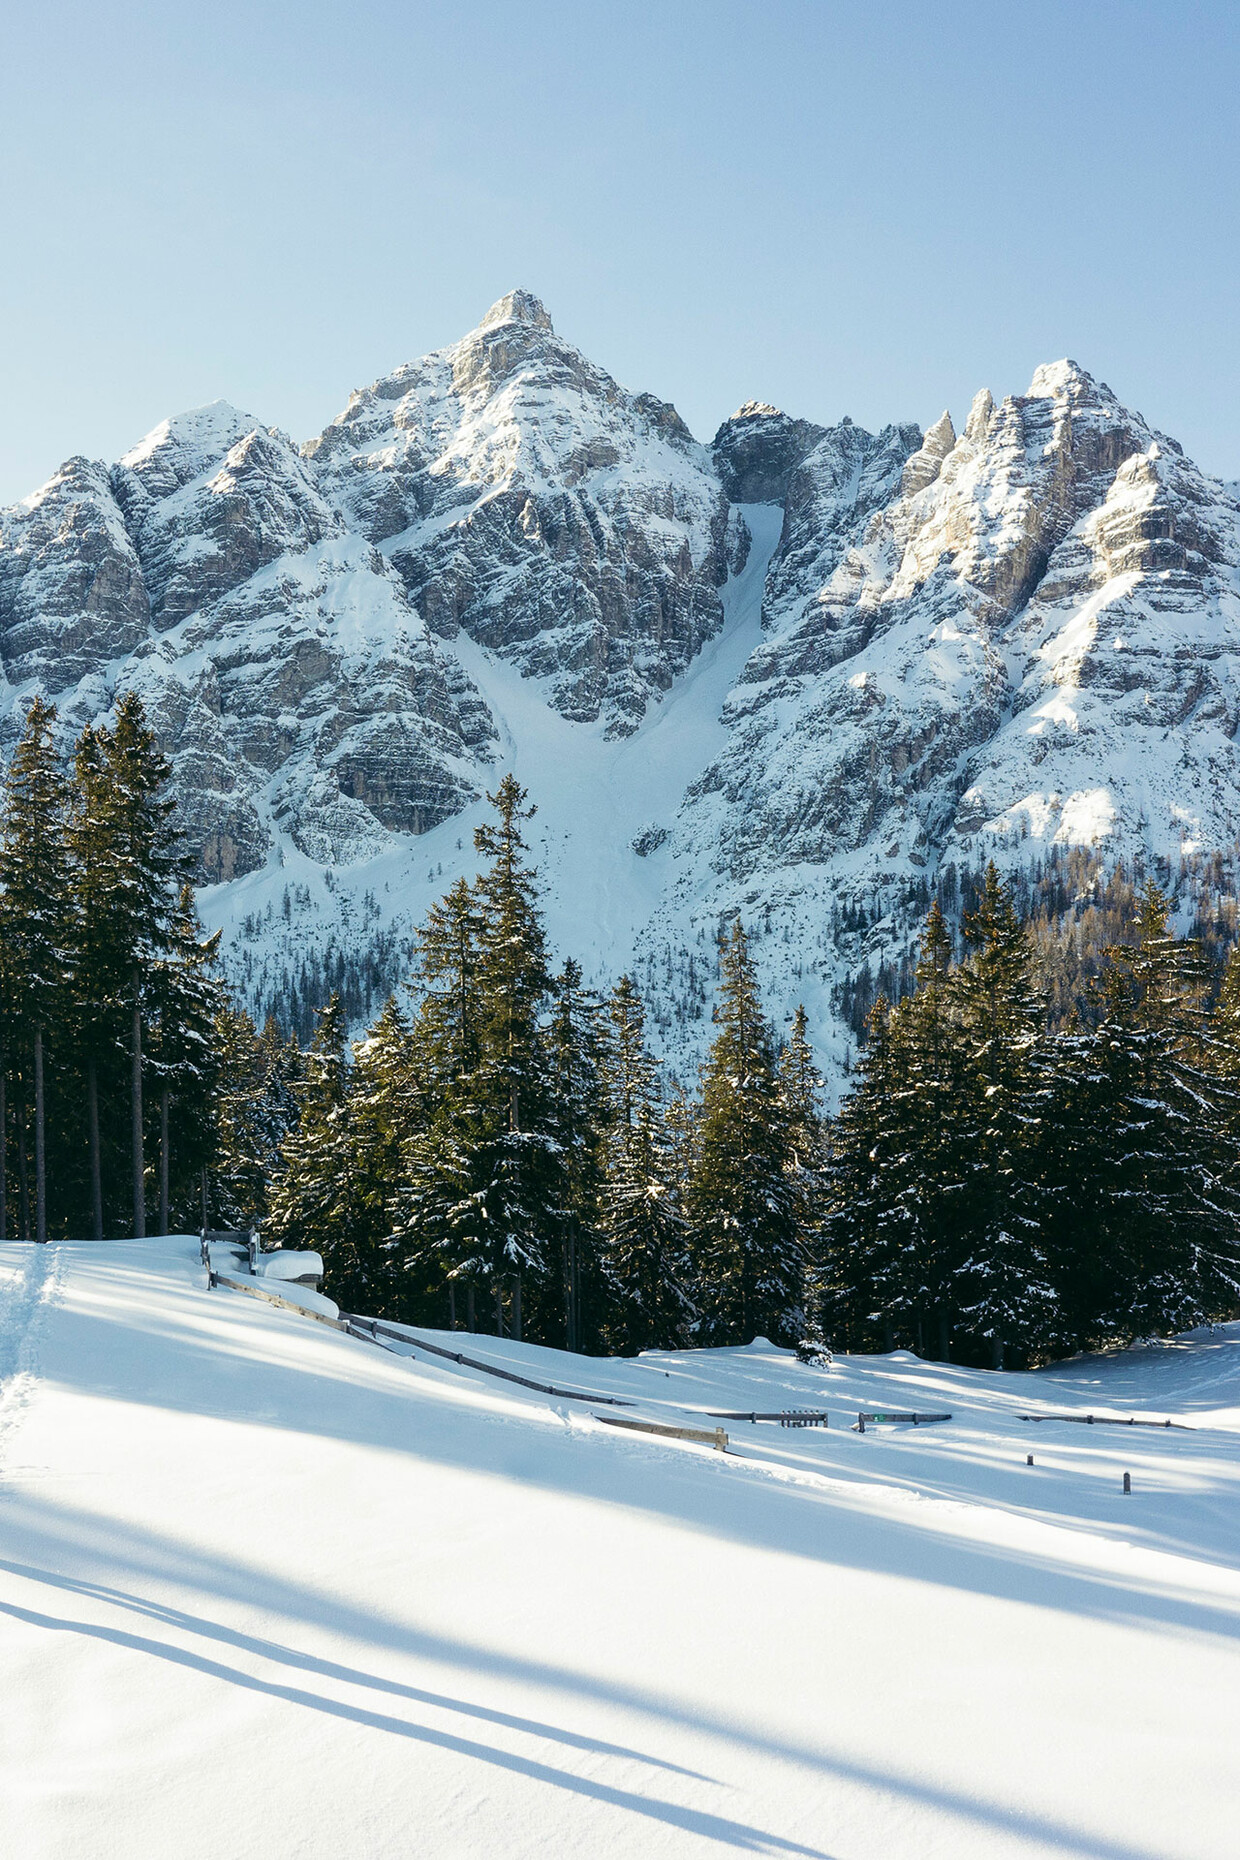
[61,1536]
[348,1391]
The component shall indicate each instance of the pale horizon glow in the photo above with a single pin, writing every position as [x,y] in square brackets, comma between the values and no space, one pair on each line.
[830,208]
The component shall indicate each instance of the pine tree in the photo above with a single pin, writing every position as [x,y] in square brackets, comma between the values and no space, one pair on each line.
[1166,1168]
[875,1256]
[800,1085]
[486,1182]
[747,1249]
[99,962]
[34,897]
[642,1225]
[575,1049]
[127,823]
[242,1162]
[383,1108]
[184,999]
[1000,1288]
[306,1197]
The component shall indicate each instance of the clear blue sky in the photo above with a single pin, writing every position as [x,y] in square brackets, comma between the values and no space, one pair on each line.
[870,208]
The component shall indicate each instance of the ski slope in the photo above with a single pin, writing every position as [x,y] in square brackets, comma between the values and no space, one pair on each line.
[266,1589]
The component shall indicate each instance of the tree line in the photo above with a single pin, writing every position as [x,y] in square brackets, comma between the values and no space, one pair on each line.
[1024,1187]
[107,990]
[504,1156]
[501,1150]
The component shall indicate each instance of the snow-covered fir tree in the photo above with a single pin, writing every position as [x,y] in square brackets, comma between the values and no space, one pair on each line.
[747,1248]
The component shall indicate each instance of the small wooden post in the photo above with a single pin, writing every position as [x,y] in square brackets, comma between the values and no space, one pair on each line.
[861,1424]
[1127,1482]
[1028,1459]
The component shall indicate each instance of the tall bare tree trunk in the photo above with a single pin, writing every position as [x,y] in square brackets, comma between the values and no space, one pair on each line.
[139,1164]
[96,1167]
[516,1306]
[23,1186]
[163,1161]
[4,1156]
[40,1156]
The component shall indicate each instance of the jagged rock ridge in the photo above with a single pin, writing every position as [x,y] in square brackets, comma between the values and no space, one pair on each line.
[281,663]
[1024,638]
[570,526]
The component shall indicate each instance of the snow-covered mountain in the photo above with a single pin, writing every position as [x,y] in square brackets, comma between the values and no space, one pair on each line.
[568,525]
[798,674]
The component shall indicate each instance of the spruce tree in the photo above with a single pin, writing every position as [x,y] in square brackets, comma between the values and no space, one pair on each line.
[1000,1288]
[1166,1185]
[34,905]
[130,870]
[875,1259]
[800,1084]
[486,1185]
[184,998]
[642,1226]
[575,1046]
[306,1198]
[747,1247]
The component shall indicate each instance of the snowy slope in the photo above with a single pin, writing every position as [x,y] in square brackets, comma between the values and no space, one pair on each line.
[265,1589]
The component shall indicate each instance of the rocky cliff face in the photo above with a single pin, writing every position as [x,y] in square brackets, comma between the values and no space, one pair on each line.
[525,498]
[758,449]
[1024,638]
[281,663]
[943,647]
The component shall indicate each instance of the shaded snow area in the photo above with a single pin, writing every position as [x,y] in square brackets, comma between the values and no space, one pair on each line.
[268,1589]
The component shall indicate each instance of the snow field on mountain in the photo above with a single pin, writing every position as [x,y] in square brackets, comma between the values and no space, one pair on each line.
[267,1589]
[595,795]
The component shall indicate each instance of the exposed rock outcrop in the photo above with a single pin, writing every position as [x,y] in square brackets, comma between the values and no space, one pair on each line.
[758,449]
[530,501]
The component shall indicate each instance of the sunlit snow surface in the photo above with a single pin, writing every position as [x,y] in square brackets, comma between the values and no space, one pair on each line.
[268,1590]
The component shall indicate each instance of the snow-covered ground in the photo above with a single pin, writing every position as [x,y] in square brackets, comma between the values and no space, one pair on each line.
[270,1590]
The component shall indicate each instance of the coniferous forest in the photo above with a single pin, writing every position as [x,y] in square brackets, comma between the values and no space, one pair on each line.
[500,1151]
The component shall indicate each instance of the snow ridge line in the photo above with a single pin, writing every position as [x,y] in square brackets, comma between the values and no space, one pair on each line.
[21,1333]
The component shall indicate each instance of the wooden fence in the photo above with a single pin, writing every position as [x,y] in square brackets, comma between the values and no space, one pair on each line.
[707,1436]
[376,1328]
[254,1290]
[1108,1420]
[787,1417]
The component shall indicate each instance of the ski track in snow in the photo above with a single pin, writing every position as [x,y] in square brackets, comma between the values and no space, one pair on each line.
[265,1589]
[30,1279]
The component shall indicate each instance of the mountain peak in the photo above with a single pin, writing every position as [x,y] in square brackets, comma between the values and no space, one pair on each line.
[208,431]
[1064,377]
[517,307]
